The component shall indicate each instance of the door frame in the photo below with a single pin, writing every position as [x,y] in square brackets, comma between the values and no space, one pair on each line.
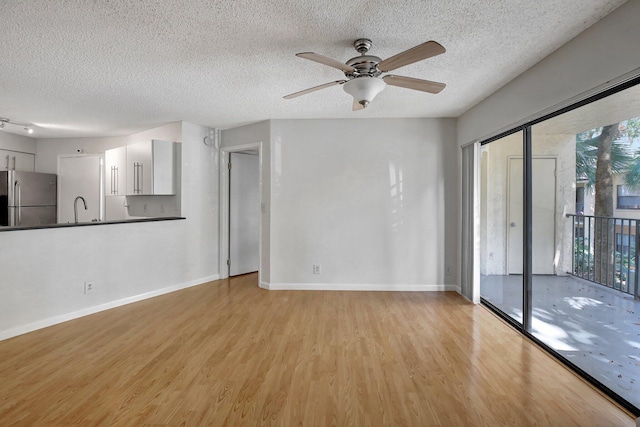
[508,205]
[224,205]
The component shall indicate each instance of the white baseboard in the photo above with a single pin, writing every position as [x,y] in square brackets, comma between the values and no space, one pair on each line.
[264,285]
[30,327]
[356,287]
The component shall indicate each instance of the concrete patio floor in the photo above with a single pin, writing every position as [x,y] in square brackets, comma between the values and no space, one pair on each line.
[594,327]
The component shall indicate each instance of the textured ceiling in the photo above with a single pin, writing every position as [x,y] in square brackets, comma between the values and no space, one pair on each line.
[99,67]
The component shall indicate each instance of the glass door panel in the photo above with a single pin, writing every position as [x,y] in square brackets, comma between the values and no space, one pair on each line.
[585,214]
[501,225]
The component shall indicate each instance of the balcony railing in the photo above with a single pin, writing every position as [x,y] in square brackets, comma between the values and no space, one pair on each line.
[605,251]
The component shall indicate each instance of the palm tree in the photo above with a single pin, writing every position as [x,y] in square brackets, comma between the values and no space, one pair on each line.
[603,230]
[624,160]
[602,153]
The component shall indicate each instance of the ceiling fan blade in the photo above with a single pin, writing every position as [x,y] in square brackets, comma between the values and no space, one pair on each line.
[416,84]
[326,61]
[313,89]
[357,106]
[415,54]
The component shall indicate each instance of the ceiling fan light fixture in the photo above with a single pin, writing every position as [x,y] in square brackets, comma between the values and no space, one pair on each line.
[364,89]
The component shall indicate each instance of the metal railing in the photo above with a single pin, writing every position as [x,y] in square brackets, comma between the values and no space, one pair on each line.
[605,251]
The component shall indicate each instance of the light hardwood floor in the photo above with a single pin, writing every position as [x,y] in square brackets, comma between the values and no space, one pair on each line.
[229,353]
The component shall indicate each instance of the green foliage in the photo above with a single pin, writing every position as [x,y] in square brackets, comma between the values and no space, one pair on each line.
[631,129]
[625,158]
[584,262]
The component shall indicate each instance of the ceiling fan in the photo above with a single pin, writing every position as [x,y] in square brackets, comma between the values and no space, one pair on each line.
[363,72]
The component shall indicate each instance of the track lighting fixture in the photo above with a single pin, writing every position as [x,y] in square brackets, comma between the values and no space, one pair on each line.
[27,127]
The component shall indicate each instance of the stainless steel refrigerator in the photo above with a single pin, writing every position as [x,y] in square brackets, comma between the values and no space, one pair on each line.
[27,198]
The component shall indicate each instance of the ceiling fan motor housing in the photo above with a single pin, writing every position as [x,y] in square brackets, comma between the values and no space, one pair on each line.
[362,45]
[365,65]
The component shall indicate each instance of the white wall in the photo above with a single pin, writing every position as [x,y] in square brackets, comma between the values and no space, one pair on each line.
[603,52]
[15,142]
[47,150]
[43,271]
[366,199]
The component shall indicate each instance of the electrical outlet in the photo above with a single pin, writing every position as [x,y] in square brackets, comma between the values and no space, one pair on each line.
[144,208]
[448,271]
[316,268]
[88,286]
[161,208]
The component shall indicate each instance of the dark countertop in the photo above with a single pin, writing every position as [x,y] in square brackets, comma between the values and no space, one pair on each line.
[83,224]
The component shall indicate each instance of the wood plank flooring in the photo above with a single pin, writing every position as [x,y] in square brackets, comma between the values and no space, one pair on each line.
[229,353]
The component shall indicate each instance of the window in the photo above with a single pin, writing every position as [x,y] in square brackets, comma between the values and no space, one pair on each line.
[628,198]
[580,200]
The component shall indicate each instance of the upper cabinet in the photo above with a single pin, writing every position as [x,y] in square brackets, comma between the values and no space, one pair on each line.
[15,160]
[116,171]
[150,168]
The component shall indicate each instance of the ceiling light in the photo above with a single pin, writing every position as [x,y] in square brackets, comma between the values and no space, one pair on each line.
[26,126]
[364,89]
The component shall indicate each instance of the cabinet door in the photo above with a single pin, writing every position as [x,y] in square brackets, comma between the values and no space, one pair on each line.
[163,167]
[15,160]
[151,168]
[25,162]
[115,171]
[5,158]
[139,169]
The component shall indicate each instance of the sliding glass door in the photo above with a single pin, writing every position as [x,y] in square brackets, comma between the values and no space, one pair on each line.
[560,224]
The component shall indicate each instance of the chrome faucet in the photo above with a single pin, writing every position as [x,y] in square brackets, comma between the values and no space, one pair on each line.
[75,206]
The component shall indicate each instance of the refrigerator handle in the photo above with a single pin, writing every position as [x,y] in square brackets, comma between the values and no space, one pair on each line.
[14,162]
[7,162]
[115,180]
[18,202]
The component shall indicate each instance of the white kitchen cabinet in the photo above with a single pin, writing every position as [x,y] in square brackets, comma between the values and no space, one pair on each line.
[16,160]
[151,168]
[115,171]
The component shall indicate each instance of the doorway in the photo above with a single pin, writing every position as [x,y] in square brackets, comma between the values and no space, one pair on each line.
[244,212]
[543,210]
[248,159]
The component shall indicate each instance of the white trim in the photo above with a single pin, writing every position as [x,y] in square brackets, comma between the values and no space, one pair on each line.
[224,204]
[357,287]
[264,285]
[477,214]
[40,324]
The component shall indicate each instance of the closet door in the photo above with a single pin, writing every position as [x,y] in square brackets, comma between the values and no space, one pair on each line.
[244,213]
